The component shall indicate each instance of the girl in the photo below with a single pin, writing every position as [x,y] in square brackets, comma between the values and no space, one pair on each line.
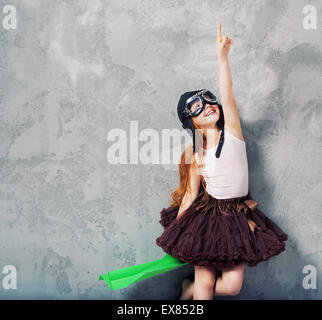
[213,222]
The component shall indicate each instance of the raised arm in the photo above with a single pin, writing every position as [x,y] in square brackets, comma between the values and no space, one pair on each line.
[227,97]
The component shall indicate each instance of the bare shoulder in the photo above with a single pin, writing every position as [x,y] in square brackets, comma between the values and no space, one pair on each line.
[194,170]
[189,151]
[235,131]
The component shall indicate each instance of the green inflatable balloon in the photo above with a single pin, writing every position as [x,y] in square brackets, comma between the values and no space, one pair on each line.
[121,278]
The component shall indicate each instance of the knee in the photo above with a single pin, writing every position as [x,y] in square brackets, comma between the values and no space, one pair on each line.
[235,289]
[206,284]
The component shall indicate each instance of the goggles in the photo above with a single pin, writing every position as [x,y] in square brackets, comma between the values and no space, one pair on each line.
[196,104]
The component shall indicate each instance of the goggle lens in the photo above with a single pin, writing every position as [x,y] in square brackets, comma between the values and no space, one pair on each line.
[209,96]
[195,104]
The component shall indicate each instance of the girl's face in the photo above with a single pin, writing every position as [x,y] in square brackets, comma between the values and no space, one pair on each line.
[207,118]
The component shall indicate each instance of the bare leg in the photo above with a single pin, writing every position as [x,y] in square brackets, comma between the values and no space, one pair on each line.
[229,284]
[187,289]
[205,277]
[231,281]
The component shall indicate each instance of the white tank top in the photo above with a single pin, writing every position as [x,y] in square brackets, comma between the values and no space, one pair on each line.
[227,176]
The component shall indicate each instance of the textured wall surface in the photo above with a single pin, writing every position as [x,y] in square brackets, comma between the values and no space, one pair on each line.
[74,70]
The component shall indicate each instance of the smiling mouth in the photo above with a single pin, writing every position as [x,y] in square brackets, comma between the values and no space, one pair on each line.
[212,112]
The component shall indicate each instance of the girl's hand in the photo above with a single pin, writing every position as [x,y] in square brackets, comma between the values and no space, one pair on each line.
[223,45]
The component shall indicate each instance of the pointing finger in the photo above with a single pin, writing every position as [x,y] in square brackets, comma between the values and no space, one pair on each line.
[219,35]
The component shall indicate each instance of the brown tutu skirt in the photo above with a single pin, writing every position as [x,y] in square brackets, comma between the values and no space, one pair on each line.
[220,232]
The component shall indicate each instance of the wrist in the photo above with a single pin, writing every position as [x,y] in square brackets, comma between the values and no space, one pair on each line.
[222,59]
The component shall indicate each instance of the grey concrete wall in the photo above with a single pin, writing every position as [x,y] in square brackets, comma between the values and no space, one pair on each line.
[74,70]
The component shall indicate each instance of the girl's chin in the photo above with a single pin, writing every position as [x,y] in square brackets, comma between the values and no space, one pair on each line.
[211,118]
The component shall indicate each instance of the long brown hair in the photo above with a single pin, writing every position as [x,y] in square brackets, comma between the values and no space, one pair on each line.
[176,196]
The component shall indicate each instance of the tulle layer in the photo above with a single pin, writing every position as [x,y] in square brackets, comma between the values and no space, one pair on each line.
[220,232]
